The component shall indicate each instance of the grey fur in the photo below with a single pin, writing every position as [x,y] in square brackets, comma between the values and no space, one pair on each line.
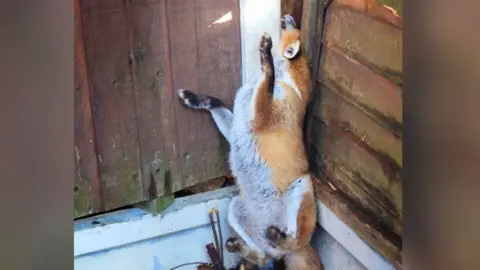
[260,207]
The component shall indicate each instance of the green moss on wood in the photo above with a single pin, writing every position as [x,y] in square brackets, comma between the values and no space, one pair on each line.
[82,201]
[158,205]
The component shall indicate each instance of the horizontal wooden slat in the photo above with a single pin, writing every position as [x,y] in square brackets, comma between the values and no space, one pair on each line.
[375,94]
[367,199]
[371,41]
[386,10]
[332,108]
[370,198]
[396,5]
[373,170]
[359,222]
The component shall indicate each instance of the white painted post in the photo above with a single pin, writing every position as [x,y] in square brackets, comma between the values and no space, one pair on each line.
[257,16]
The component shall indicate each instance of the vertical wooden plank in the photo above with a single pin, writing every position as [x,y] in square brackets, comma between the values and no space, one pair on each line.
[87,192]
[311,32]
[309,19]
[113,101]
[218,33]
[294,8]
[184,57]
[154,97]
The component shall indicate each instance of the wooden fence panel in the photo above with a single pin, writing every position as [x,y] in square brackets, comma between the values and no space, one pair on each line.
[375,95]
[135,140]
[354,123]
[378,45]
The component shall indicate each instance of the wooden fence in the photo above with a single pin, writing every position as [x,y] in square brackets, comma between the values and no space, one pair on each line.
[133,139]
[354,124]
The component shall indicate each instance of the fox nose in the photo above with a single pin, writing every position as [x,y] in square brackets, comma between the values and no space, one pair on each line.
[287,22]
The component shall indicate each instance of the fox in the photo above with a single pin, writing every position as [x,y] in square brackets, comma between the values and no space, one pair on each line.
[274,216]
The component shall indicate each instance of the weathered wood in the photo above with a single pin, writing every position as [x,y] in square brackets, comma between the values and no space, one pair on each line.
[157,205]
[376,95]
[140,142]
[370,41]
[185,74]
[396,5]
[311,32]
[154,97]
[373,170]
[332,108]
[87,188]
[377,9]
[354,124]
[115,122]
[219,62]
[370,199]
[309,20]
[363,224]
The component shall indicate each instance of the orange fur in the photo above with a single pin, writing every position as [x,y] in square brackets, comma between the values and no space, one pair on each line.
[306,219]
[263,106]
[278,123]
[284,153]
[298,68]
[306,222]
[303,259]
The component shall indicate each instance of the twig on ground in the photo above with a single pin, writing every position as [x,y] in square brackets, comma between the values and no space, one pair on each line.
[212,224]
[220,247]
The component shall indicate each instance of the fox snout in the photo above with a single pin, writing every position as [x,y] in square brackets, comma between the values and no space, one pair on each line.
[287,22]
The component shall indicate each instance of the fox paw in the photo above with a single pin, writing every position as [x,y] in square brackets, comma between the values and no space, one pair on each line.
[232,244]
[287,22]
[265,43]
[275,235]
[195,101]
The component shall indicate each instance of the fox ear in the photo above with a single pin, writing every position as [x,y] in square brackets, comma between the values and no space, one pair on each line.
[292,50]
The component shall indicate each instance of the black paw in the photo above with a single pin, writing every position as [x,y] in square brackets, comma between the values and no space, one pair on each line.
[195,101]
[287,22]
[274,234]
[232,244]
[265,43]
[190,99]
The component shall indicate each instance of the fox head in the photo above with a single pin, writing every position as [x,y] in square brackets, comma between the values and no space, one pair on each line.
[289,38]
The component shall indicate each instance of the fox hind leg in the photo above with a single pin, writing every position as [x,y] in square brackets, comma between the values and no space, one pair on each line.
[300,217]
[237,245]
[305,258]
[241,242]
